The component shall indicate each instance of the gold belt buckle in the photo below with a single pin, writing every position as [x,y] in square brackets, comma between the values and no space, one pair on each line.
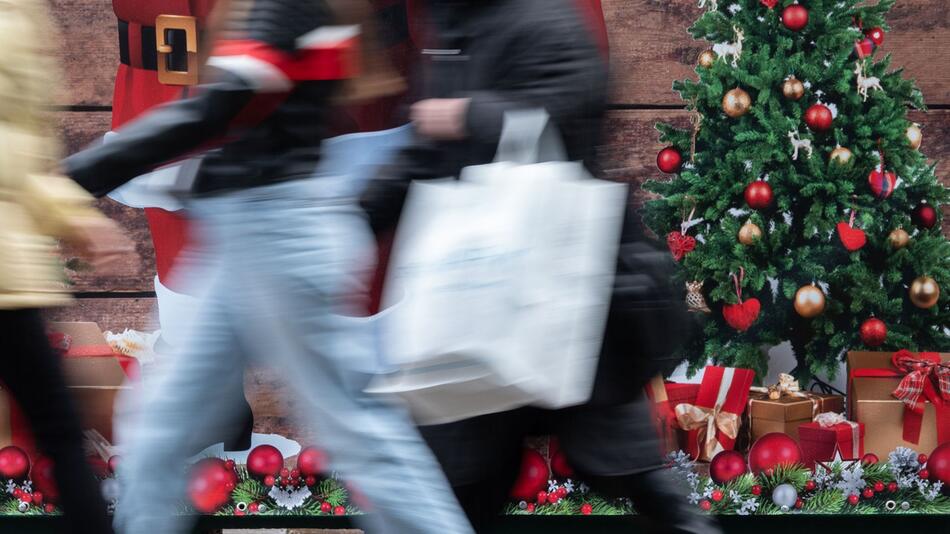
[190,27]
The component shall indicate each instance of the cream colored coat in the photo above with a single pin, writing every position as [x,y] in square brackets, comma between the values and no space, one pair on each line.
[35,207]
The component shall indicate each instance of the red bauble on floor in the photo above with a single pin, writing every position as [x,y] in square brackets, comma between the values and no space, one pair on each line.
[669,160]
[726,466]
[773,450]
[264,460]
[938,466]
[311,462]
[758,195]
[532,478]
[819,118]
[873,332]
[14,463]
[795,17]
[209,485]
[43,479]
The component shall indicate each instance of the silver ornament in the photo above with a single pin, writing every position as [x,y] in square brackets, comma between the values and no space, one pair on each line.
[784,495]
[905,506]
[522,505]
[784,509]
[110,489]
[23,507]
[261,508]
[890,506]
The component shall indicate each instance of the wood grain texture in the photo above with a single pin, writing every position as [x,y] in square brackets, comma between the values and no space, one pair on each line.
[650,47]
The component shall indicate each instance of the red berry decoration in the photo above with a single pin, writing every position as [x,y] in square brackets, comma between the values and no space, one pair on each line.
[561,492]
[269,481]
[873,332]
[553,498]
[26,497]
[533,476]
[717,495]
[587,509]
[229,464]
[326,507]
[922,458]
[758,195]
[810,485]
[925,216]
[799,504]
[43,479]
[49,508]
[924,474]
[870,459]
[339,510]
[882,183]
[311,480]
[756,490]
[284,473]
[939,465]
[795,17]
[773,450]
[208,485]
[727,466]
[312,462]
[669,160]
[876,35]
[264,460]
[542,497]
[853,500]
[878,487]
[868,493]
[14,463]
[705,505]
[254,507]
[892,487]
[37,498]
[819,118]
[530,509]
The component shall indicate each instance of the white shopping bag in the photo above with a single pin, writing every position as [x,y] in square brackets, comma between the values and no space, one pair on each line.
[500,282]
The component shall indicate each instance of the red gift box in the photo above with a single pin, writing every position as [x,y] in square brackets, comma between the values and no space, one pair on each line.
[830,432]
[665,395]
[719,405]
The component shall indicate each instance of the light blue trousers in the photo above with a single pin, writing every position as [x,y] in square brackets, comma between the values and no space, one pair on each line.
[290,261]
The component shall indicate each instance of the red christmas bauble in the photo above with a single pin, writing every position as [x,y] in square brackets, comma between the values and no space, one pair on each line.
[795,17]
[870,459]
[14,463]
[560,465]
[264,460]
[311,462]
[209,485]
[772,450]
[876,35]
[925,216]
[758,195]
[533,476]
[727,466]
[44,481]
[882,183]
[873,332]
[939,465]
[819,118]
[864,47]
[669,160]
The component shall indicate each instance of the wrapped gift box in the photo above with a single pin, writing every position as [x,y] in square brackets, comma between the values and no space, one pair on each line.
[721,398]
[871,385]
[94,376]
[665,396]
[787,413]
[819,442]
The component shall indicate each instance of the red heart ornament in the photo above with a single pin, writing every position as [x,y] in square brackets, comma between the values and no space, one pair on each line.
[768,3]
[741,316]
[852,238]
[680,245]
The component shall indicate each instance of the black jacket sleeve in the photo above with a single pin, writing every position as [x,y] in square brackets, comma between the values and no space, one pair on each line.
[162,135]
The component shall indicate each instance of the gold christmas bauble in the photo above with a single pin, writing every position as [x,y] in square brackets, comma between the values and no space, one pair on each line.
[924,292]
[914,136]
[749,233]
[793,88]
[841,155]
[707,58]
[898,238]
[736,103]
[809,301]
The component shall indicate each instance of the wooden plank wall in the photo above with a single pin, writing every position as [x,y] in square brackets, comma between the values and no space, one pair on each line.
[649,49]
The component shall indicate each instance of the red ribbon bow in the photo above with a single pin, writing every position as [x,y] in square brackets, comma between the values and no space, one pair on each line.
[917,386]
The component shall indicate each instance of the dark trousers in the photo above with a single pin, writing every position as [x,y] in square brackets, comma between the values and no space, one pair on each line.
[33,375]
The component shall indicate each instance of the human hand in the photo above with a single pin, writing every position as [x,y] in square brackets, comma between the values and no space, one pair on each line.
[441,119]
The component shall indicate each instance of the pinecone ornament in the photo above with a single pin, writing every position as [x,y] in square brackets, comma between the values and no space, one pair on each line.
[695,301]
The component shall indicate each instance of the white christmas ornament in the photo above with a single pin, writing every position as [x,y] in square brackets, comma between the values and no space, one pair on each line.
[865,84]
[713,4]
[733,50]
[784,496]
[799,144]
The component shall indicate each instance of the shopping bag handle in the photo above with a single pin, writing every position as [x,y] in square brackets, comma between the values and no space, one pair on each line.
[529,136]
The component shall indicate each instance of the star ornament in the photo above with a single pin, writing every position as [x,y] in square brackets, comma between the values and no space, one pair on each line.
[838,462]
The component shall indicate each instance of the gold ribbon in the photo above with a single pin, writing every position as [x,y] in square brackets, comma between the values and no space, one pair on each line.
[707,421]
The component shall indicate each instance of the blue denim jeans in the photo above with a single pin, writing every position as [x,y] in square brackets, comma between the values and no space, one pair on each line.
[290,264]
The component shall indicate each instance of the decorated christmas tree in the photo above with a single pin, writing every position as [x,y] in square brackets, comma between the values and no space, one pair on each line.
[800,207]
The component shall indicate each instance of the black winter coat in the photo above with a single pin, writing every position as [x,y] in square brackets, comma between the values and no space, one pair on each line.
[504,55]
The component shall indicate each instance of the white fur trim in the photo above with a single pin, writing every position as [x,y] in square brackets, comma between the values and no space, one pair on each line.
[263,76]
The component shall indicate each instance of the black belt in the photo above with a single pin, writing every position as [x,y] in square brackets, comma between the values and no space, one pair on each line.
[177,60]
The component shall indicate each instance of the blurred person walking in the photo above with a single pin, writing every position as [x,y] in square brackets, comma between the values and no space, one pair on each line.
[36,207]
[290,254]
[481,59]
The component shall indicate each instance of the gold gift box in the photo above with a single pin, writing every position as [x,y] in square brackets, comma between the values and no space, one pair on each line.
[788,412]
